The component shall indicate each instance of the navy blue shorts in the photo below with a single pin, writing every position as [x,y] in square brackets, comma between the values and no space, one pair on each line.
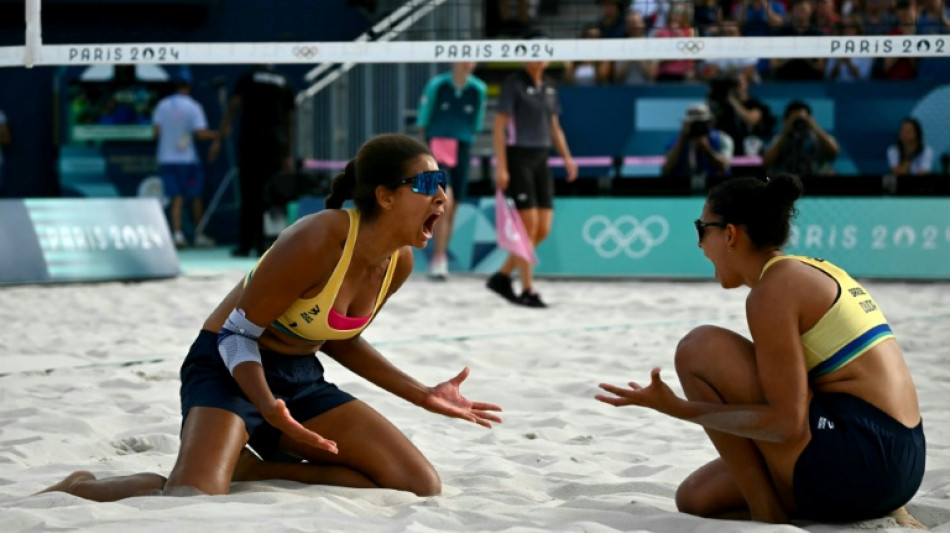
[860,463]
[296,379]
[182,180]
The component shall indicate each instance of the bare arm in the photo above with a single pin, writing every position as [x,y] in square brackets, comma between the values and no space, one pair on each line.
[828,143]
[499,144]
[673,155]
[4,134]
[560,144]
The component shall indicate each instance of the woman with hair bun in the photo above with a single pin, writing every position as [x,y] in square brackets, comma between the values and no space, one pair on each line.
[252,376]
[816,417]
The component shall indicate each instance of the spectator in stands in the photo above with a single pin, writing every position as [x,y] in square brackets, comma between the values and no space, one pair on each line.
[799,25]
[849,68]
[680,25]
[759,17]
[612,21]
[802,147]
[699,149]
[745,67]
[910,155]
[934,18]
[707,14]
[747,120]
[654,12]
[514,16]
[635,72]
[827,18]
[178,121]
[587,73]
[451,112]
[4,140]
[902,68]
[265,100]
[526,128]
[877,17]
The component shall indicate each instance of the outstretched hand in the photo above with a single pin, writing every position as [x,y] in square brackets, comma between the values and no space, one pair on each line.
[657,395]
[279,416]
[446,399]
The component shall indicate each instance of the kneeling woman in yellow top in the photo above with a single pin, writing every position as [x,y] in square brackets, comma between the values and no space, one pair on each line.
[252,377]
[817,416]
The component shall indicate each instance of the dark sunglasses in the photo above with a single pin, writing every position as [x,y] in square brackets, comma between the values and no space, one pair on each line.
[427,182]
[701,227]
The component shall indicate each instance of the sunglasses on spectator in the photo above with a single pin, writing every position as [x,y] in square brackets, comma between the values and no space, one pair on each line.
[427,182]
[701,227]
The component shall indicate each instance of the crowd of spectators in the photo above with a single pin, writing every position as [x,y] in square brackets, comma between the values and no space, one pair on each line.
[637,19]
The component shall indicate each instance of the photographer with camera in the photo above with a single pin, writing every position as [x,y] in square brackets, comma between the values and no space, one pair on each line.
[699,149]
[802,147]
[745,118]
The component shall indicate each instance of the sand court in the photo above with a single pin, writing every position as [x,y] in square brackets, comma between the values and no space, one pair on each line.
[89,380]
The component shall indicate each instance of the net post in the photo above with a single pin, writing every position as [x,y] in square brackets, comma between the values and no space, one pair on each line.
[34,33]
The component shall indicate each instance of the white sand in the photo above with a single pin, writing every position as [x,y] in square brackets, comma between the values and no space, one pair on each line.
[560,462]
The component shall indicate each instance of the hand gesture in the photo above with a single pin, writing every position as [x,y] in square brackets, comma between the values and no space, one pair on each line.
[279,416]
[446,399]
[657,395]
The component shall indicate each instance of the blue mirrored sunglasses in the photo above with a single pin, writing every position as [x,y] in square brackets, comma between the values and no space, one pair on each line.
[427,182]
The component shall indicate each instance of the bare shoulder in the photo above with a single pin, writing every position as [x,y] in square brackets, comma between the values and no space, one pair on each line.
[311,246]
[780,287]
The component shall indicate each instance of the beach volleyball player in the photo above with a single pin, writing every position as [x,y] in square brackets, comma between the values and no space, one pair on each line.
[251,376]
[816,416]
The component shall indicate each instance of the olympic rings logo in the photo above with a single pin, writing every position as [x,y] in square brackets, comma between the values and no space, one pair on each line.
[304,52]
[690,46]
[625,235]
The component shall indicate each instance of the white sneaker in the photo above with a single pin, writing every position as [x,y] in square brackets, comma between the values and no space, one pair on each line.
[179,239]
[203,241]
[439,268]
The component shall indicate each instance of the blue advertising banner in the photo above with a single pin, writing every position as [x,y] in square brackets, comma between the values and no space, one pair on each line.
[895,238]
[57,240]
[906,238]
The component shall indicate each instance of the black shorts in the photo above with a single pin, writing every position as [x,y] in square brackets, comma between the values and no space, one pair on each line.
[296,379]
[531,184]
[860,463]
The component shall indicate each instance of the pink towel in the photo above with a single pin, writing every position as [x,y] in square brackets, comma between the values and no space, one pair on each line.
[445,150]
[510,230]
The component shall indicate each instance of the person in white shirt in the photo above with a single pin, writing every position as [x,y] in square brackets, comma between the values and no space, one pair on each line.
[910,155]
[178,120]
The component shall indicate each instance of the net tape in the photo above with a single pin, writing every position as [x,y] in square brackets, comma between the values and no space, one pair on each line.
[448,51]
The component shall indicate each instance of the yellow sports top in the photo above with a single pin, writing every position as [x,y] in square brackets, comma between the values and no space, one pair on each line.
[852,326]
[315,319]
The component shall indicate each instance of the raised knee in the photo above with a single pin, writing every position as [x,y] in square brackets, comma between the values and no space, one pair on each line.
[426,483]
[688,500]
[693,347]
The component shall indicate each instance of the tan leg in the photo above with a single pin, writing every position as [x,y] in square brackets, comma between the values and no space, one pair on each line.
[211,441]
[85,485]
[373,453]
[717,365]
